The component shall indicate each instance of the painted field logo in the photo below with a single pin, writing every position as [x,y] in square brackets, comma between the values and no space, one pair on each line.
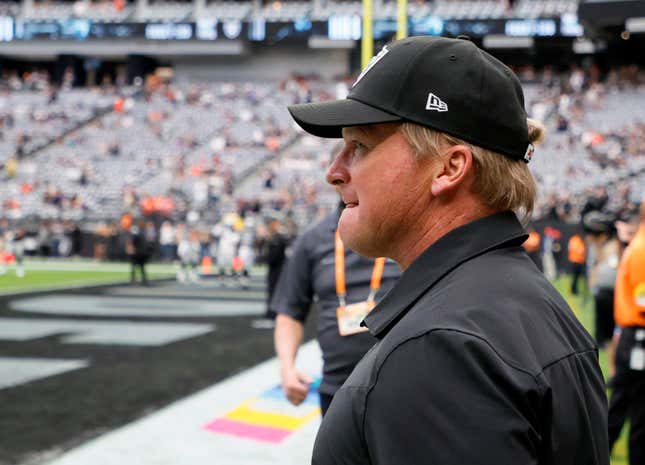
[269,417]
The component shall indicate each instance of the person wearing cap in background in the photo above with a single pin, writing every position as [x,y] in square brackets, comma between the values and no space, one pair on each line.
[344,286]
[137,248]
[577,254]
[273,244]
[629,313]
[603,254]
[533,247]
[478,359]
[627,224]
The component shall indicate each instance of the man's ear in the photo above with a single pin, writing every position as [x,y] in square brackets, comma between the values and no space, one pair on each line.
[455,166]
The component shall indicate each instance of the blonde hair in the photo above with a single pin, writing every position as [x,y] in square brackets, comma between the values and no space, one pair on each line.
[500,182]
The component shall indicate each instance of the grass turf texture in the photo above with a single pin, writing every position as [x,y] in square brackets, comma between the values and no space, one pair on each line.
[52,275]
[583,306]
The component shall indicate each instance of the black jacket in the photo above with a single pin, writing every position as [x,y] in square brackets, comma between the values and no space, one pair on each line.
[479,361]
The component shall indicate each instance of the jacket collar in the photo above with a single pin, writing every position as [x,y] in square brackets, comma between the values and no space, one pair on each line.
[450,251]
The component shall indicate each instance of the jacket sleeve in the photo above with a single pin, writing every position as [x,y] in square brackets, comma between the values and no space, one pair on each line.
[447,398]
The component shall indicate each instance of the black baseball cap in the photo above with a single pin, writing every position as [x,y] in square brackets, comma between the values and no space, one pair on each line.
[449,85]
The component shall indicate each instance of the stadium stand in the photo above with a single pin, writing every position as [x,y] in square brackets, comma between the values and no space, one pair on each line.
[469,9]
[321,11]
[162,10]
[157,145]
[10,8]
[107,11]
[47,10]
[283,11]
[166,11]
[32,120]
[210,144]
[544,8]
[595,139]
[226,10]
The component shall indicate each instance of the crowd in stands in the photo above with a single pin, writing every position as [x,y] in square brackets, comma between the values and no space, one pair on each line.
[277,10]
[595,138]
[33,114]
[192,156]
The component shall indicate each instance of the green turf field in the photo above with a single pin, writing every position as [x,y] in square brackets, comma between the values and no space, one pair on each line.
[583,306]
[41,275]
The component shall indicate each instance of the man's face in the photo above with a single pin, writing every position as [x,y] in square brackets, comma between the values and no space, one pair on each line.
[384,186]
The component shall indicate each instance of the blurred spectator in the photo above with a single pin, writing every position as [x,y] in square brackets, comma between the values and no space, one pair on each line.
[76,237]
[228,241]
[629,380]
[137,250]
[151,237]
[273,246]
[551,252]
[189,251]
[13,253]
[533,247]
[604,254]
[246,250]
[167,241]
[577,258]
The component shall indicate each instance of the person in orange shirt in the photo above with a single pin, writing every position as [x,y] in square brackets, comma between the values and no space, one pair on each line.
[533,247]
[629,313]
[577,258]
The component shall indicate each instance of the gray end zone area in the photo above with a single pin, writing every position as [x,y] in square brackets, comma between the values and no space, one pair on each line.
[101,332]
[142,350]
[17,370]
[125,306]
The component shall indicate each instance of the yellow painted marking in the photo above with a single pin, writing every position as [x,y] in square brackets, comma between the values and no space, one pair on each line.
[276,420]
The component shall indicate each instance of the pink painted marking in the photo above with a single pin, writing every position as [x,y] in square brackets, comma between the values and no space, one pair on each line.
[245,430]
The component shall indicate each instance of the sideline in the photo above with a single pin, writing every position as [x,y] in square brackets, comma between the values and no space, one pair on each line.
[73,286]
[182,433]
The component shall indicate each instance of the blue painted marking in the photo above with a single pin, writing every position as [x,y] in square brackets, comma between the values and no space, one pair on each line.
[277,394]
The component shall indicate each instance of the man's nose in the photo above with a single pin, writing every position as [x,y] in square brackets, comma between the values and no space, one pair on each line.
[337,173]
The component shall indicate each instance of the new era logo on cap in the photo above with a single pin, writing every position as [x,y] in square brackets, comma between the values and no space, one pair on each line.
[434,103]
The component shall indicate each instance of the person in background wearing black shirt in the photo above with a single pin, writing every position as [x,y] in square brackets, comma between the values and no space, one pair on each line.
[137,250]
[273,246]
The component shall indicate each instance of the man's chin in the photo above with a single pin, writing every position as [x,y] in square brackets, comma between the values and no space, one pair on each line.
[357,239]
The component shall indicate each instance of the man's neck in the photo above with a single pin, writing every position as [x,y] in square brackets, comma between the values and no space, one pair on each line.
[440,220]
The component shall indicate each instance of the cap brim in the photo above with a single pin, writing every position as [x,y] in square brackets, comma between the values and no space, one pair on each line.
[327,119]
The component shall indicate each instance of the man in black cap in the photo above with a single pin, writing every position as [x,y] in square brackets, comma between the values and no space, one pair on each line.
[478,359]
